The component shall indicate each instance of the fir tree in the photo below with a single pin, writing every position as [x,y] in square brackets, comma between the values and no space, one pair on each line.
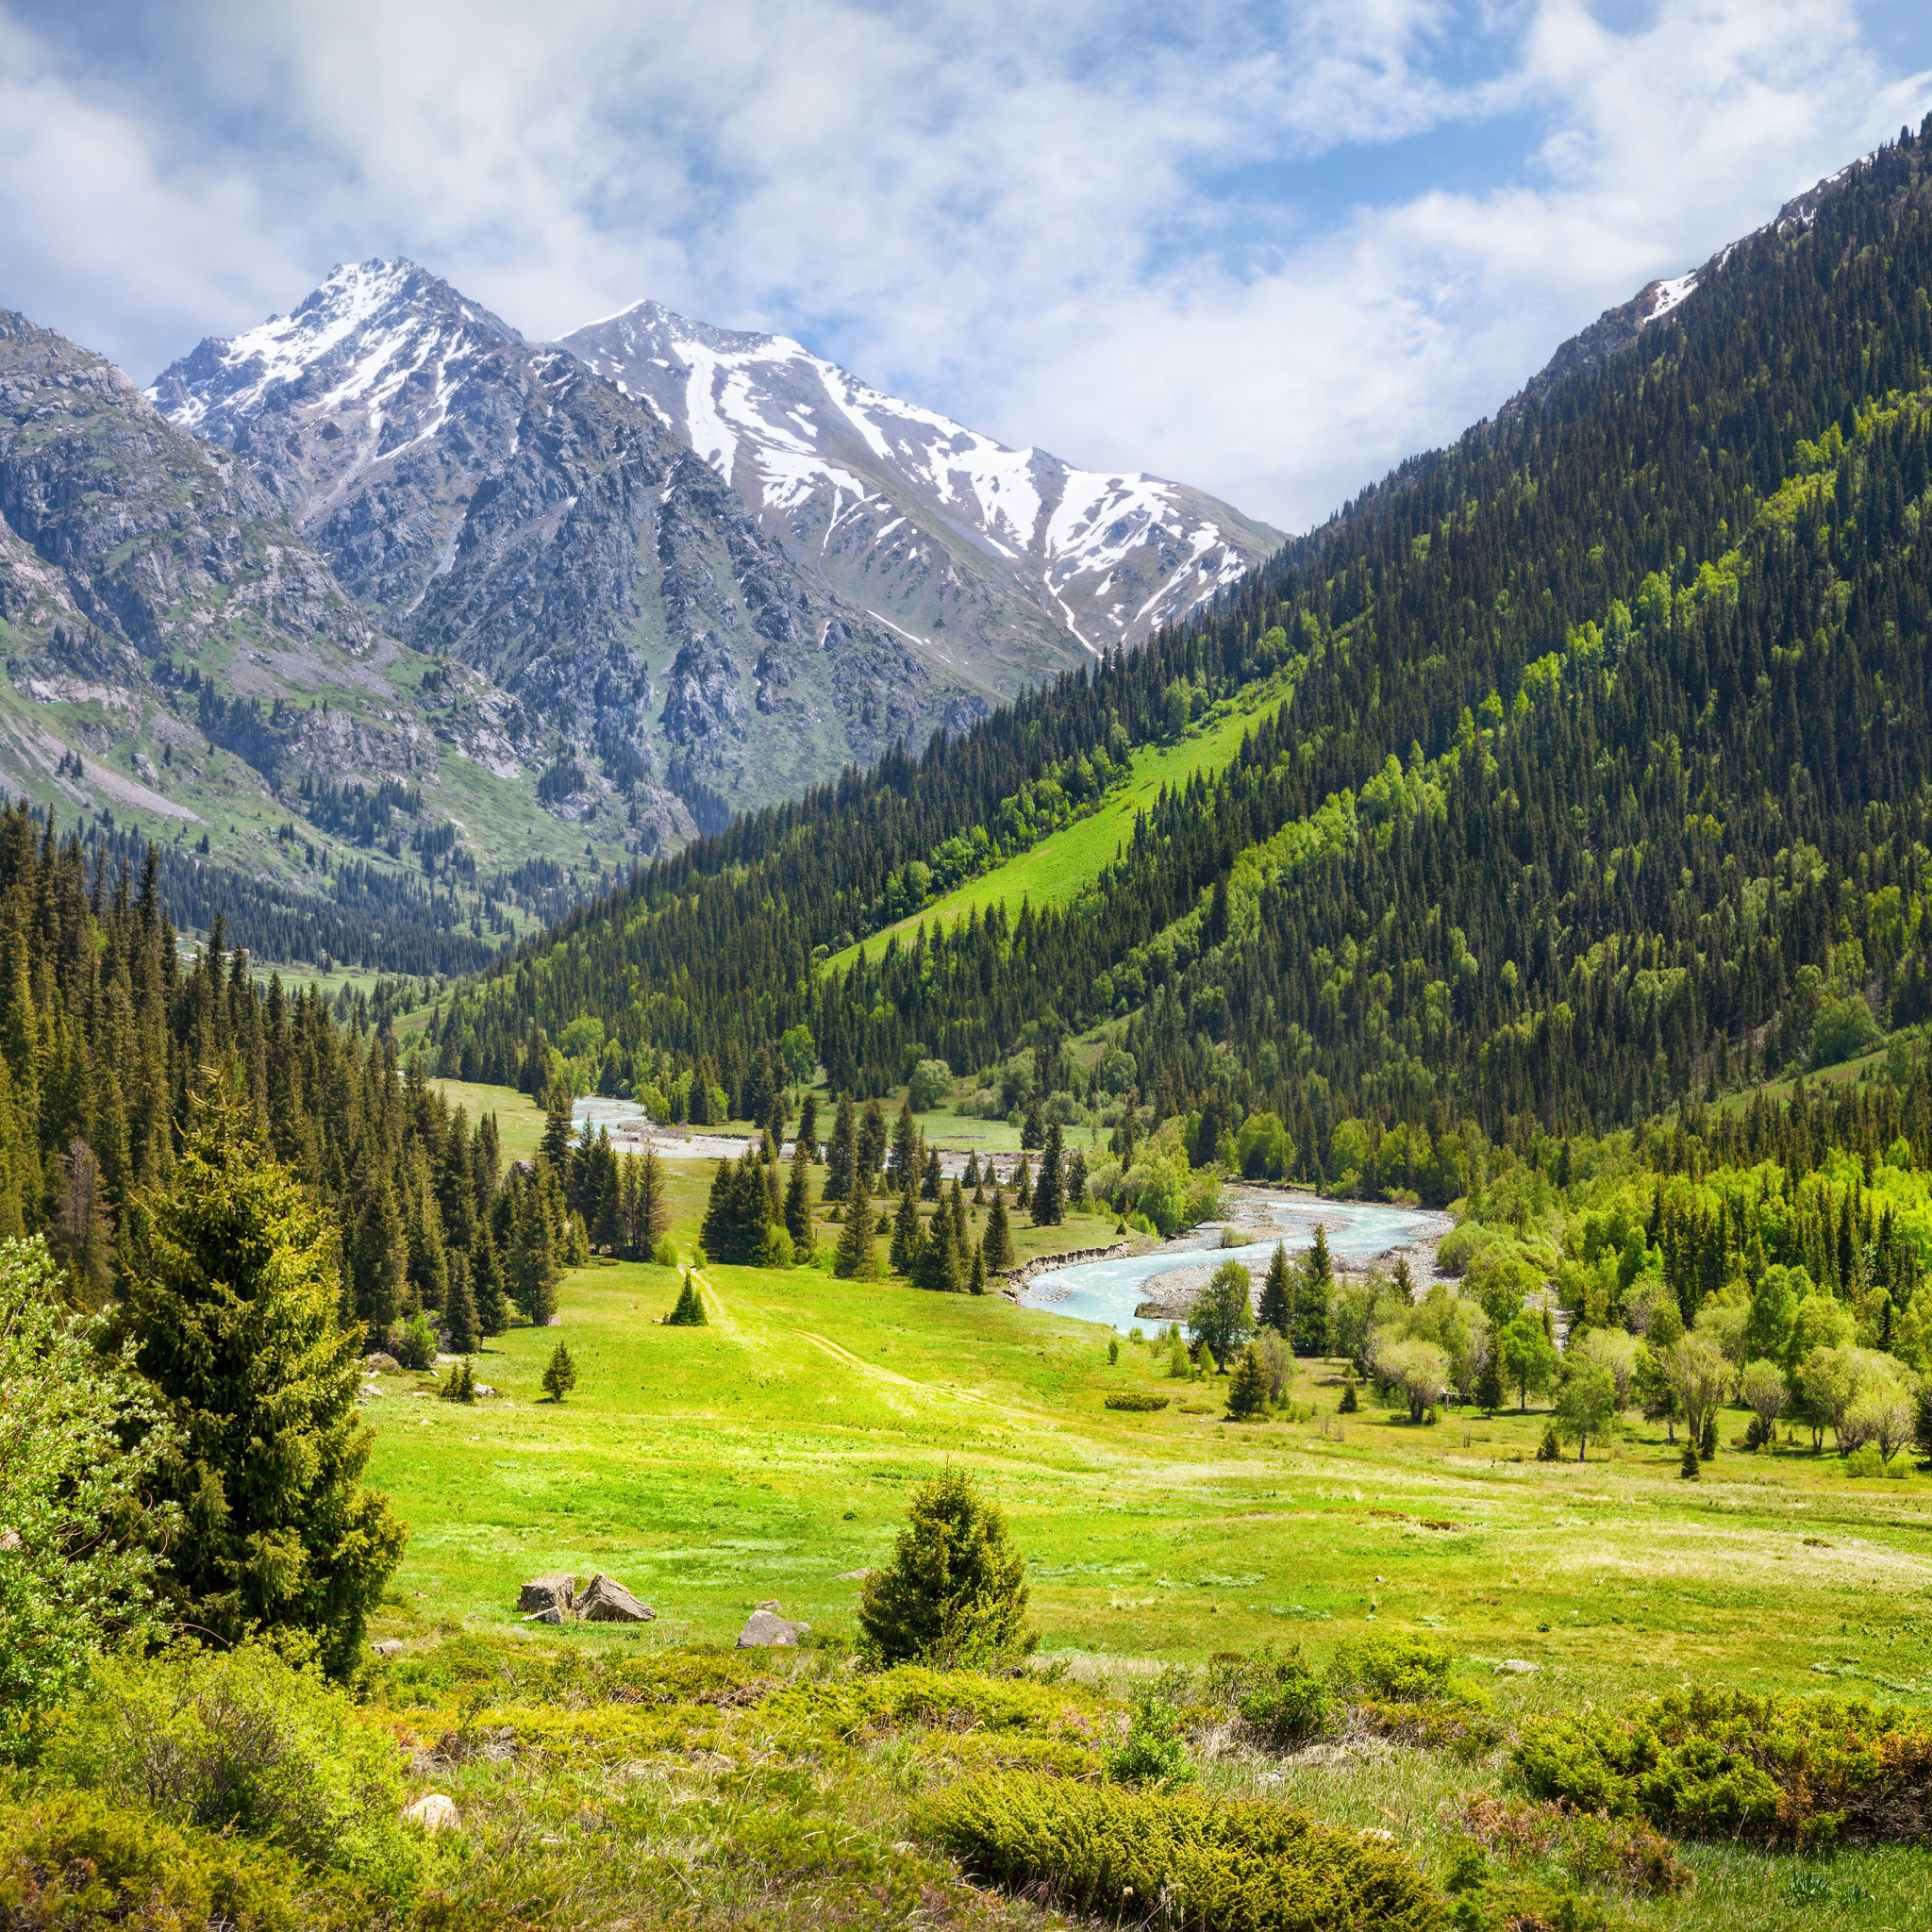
[1023,1184]
[973,1169]
[975,1281]
[533,1267]
[560,1376]
[380,1256]
[1490,1391]
[1312,1297]
[997,1242]
[460,1385]
[856,1258]
[460,1310]
[1050,1190]
[1247,1395]
[930,1177]
[842,1153]
[798,1221]
[1076,1179]
[871,1141]
[690,1311]
[905,1144]
[908,1240]
[555,1144]
[1350,1402]
[233,1318]
[1274,1309]
[1033,1128]
[492,1302]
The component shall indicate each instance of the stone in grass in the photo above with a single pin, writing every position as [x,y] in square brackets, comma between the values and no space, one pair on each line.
[1515,1666]
[544,1593]
[765,1628]
[433,1812]
[607,1601]
[378,1363]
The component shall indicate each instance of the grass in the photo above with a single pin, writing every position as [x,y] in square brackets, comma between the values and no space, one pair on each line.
[771,1455]
[1053,872]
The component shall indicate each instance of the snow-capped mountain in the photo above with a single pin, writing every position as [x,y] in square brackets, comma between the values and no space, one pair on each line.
[498,502]
[939,531]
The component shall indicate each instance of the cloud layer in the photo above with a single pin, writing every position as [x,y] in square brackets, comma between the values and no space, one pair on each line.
[1269,249]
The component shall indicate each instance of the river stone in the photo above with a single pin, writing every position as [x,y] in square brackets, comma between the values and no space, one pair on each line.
[433,1812]
[765,1628]
[607,1601]
[543,1594]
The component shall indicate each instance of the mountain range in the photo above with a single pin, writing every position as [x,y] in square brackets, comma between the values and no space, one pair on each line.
[383,542]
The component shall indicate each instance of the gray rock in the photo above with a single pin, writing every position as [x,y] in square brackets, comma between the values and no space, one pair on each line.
[381,1364]
[433,1812]
[607,1601]
[1515,1666]
[389,1646]
[765,1628]
[554,1592]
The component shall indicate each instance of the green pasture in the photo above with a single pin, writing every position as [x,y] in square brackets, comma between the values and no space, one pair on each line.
[1053,871]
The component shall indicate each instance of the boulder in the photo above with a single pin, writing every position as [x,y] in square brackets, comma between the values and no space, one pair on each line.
[379,1363]
[541,1593]
[1515,1666]
[389,1646]
[607,1601]
[433,1812]
[765,1628]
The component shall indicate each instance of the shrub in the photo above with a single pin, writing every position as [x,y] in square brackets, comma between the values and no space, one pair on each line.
[1201,1862]
[462,1385]
[665,1253]
[1786,1771]
[413,1342]
[1398,1667]
[956,1590]
[1283,1698]
[78,1861]
[1137,1401]
[241,1741]
[1154,1751]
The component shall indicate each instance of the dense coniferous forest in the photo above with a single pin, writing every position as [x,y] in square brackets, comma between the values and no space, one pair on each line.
[1600,774]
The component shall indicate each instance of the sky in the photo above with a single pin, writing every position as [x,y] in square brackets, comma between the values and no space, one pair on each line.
[1267,249]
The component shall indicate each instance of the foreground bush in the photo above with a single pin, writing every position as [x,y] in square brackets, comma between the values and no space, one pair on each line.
[1206,1864]
[76,1861]
[240,1743]
[1790,1770]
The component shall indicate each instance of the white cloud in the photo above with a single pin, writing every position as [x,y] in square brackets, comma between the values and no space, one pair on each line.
[1010,212]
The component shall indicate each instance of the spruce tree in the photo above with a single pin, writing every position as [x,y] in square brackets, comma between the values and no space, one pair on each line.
[930,1177]
[1275,1308]
[998,1239]
[871,1141]
[690,1311]
[560,1376]
[1077,1177]
[492,1302]
[972,1168]
[904,1145]
[555,1144]
[1033,1128]
[1247,1393]
[856,1258]
[975,1281]
[1023,1184]
[798,1221]
[532,1266]
[1311,1298]
[908,1240]
[381,1254]
[1491,1392]
[807,1135]
[653,1212]
[842,1152]
[1050,1190]
[233,1315]
[460,1311]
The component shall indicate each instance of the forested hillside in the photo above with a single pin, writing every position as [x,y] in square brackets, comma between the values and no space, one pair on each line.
[1599,773]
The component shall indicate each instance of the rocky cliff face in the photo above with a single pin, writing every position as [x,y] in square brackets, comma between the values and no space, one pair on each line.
[1010,561]
[500,503]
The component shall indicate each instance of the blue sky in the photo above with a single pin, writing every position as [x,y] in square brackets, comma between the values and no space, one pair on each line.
[1267,249]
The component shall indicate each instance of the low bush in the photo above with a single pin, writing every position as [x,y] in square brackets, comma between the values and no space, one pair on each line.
[1283,1699]
[242,1743]
[78,1861]
[413,1342]
[1154,1751]
[1784,1771]
[1137,1401]
[1400,1668]
[1207,1864]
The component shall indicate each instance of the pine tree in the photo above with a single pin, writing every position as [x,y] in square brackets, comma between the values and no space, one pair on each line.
[1247,1393]
[975,1281]
[908,1240]
[997,1242]
[1490,1391]
[972,1170]
[855,1259]
[807,1135]
[930,1177]
[690,1311]
[841,1154]
[560,1376]
[532,1266]
[1023,1184]
[233,1315]
[382,1253]
[492,1302]
[1050,1190]
[1033,1128]
[871,1141]
[1274,1309]
[1076,1179]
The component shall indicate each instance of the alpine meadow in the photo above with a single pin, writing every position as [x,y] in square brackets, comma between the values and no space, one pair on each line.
[730,1264]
